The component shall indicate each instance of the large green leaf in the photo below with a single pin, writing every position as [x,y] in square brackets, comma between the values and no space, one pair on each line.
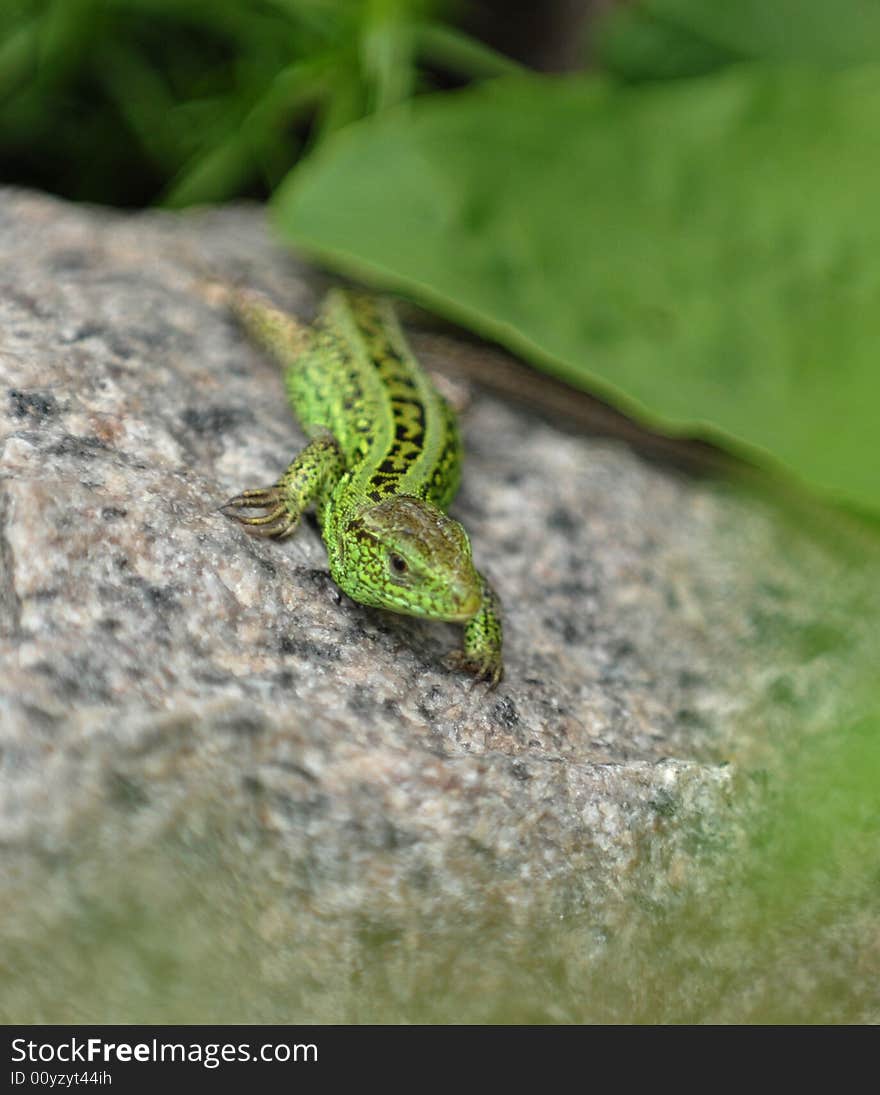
[705,254]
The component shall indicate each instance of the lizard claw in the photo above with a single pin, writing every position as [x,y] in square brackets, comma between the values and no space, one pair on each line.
[489,669]
[276,521]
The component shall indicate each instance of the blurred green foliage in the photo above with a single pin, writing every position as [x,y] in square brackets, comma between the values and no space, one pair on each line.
[656,39]
[182,101]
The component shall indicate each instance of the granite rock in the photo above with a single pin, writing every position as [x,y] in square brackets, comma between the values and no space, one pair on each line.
[159,667]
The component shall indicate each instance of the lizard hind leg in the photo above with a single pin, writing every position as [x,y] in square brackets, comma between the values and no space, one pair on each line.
[308,476]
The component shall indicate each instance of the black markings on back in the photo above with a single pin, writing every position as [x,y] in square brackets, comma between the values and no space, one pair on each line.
[408,412]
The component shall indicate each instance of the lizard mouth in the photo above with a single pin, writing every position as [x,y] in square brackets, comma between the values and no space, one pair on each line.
[467,607]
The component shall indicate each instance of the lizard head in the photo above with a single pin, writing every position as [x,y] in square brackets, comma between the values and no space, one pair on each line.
[406,555]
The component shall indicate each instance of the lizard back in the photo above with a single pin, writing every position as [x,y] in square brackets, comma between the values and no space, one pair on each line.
[360,380]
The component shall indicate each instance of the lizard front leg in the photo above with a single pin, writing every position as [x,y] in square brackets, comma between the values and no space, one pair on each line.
[316,468]
[481,654]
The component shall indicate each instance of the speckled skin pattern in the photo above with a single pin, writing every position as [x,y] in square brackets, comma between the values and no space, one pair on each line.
[381,468]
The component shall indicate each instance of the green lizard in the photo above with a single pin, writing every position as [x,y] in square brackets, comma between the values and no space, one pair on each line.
[382,465]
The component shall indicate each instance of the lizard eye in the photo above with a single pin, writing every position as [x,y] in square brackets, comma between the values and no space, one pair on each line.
[397,563]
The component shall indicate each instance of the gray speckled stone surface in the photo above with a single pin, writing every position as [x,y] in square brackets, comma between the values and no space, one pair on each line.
[159,667]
